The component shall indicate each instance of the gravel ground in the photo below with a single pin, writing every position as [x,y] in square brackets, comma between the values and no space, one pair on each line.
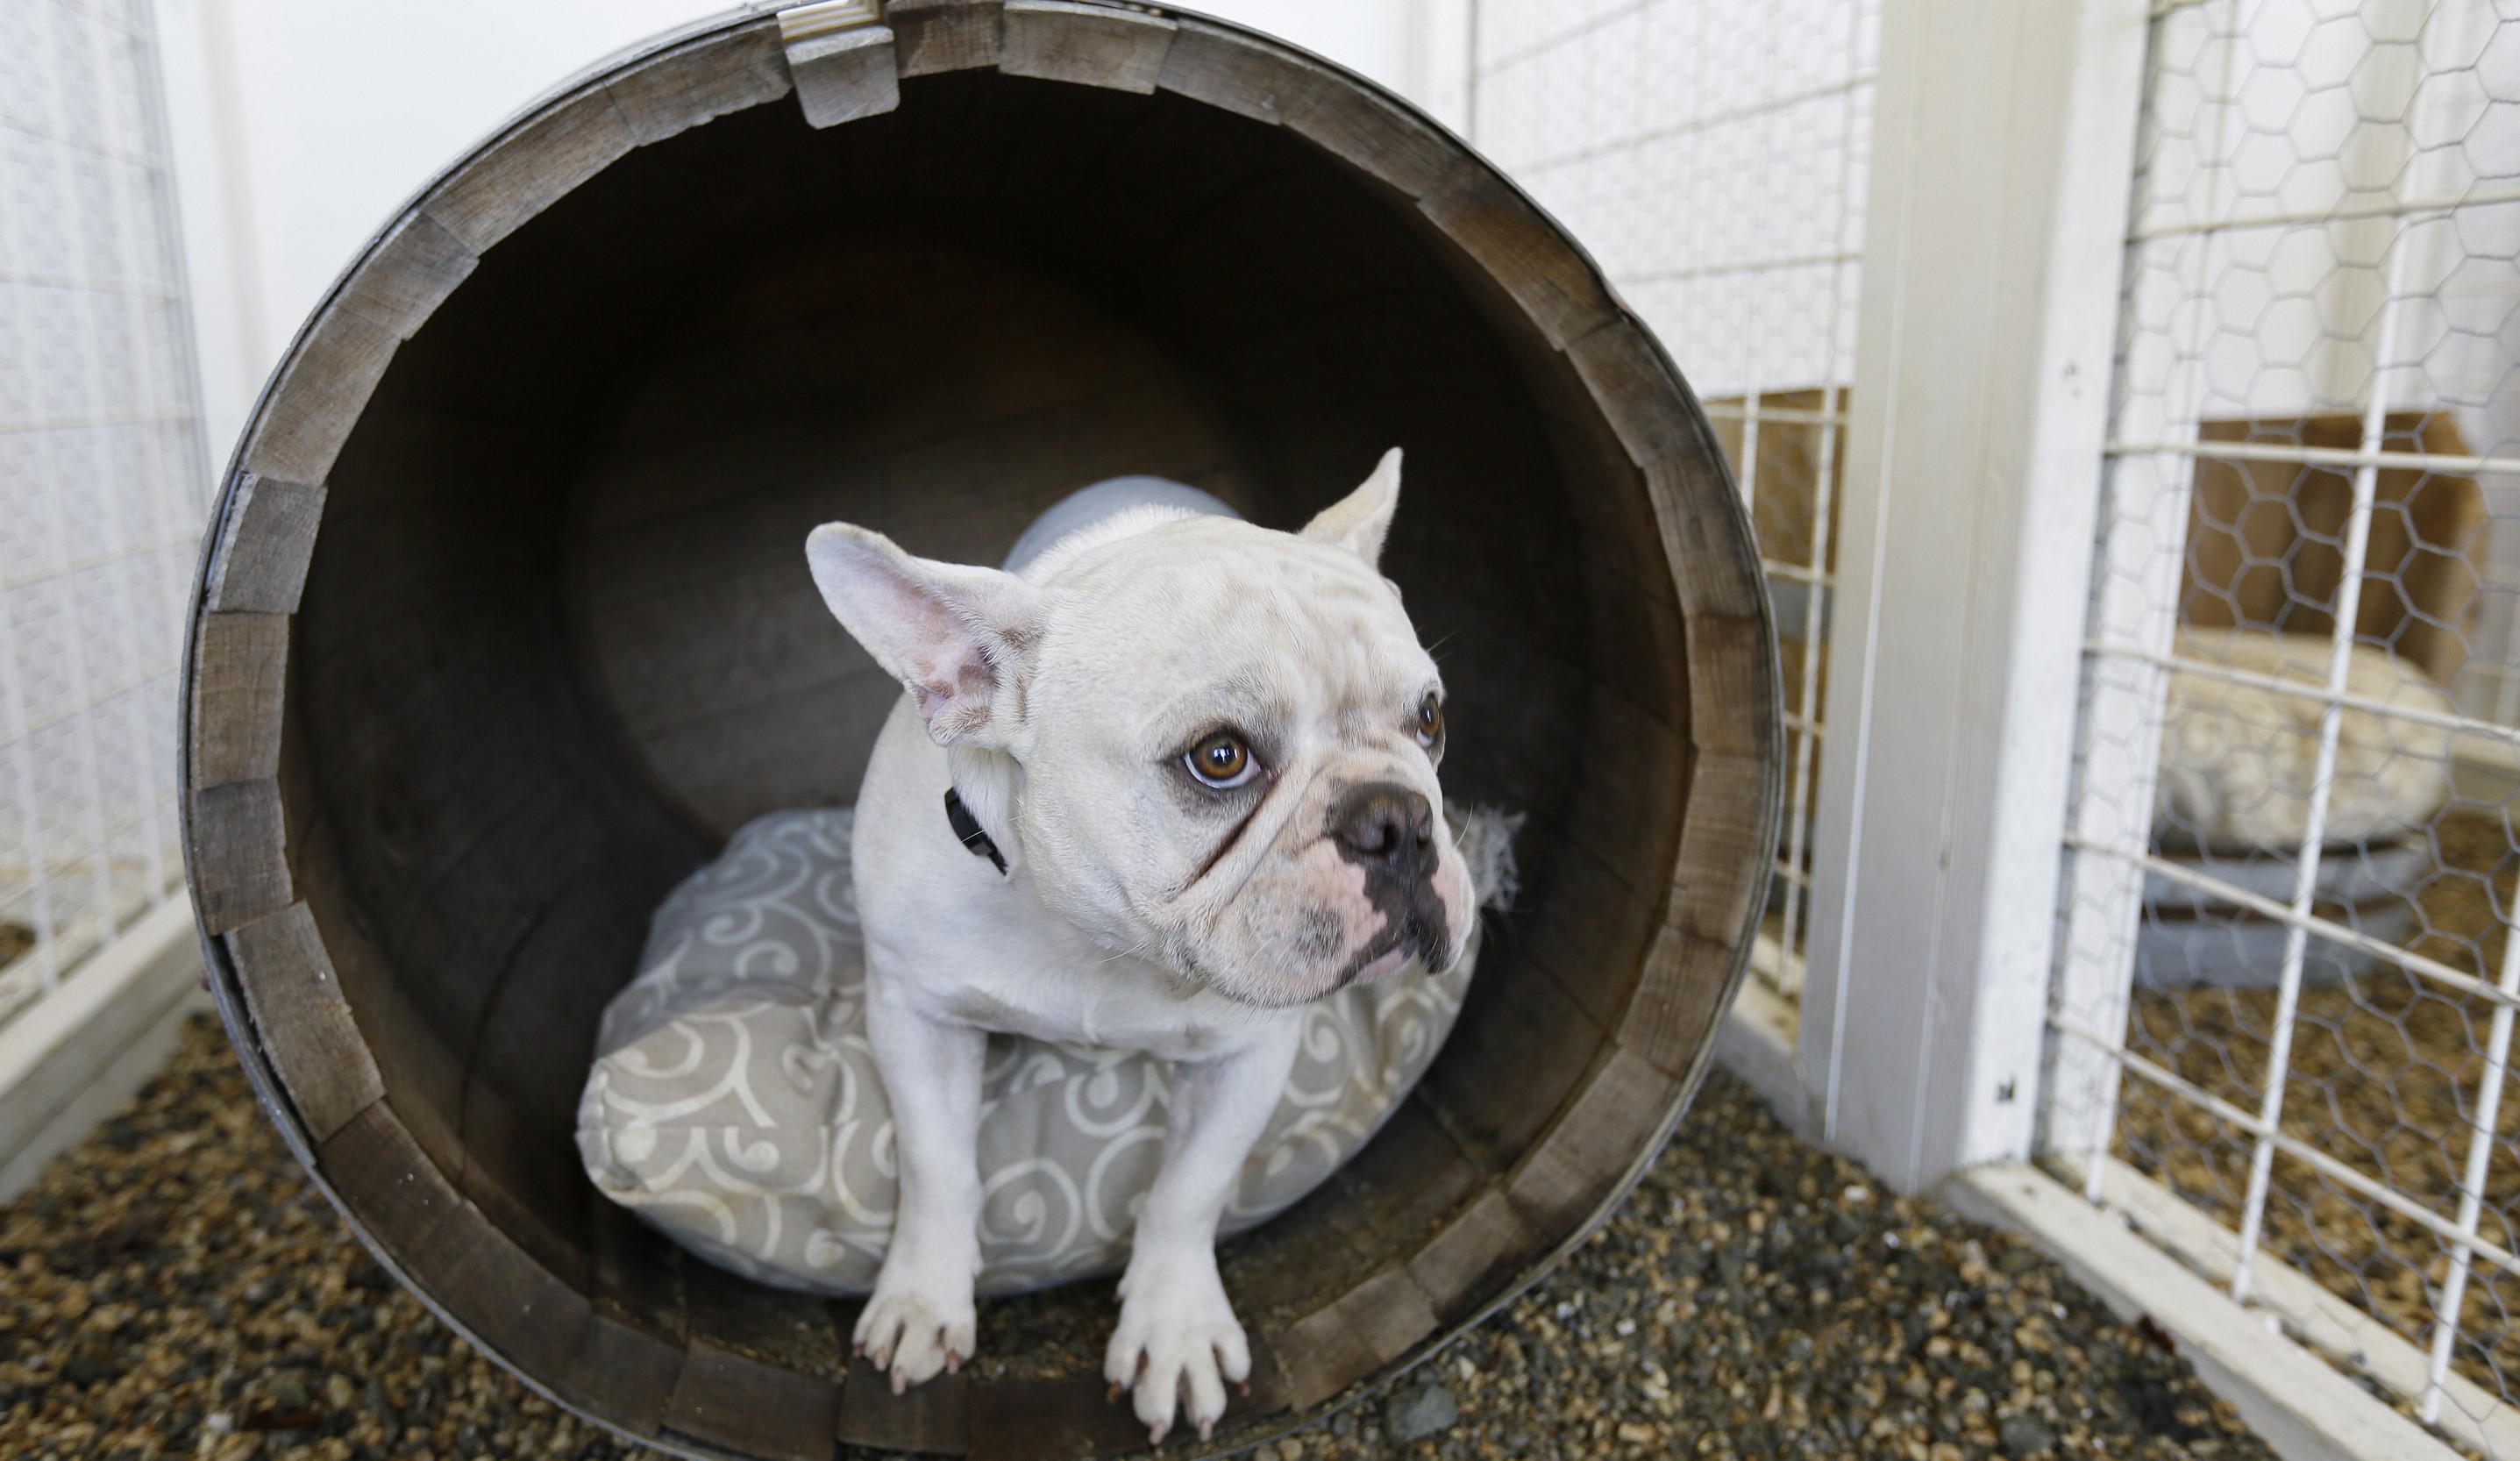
[2383,1071]
[174,1288]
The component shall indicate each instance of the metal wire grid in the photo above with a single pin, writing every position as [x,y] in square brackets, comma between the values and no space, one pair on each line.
[1712,154]
[2291,856]
[102,482]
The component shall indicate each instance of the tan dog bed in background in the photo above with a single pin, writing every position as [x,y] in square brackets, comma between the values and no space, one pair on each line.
[2239,762]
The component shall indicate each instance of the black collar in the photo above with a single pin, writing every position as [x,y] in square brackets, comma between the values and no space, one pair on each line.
[967,830]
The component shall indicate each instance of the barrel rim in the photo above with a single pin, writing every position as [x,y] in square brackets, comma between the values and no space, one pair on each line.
[1747,747]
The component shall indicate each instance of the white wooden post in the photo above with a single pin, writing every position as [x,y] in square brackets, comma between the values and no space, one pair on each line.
[2003,152]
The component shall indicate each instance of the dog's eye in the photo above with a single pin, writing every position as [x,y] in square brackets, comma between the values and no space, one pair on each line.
[1221,759]
[1430,722]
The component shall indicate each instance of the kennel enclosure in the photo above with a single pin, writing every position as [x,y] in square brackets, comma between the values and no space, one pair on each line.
[2172,448]
[503,626]
[105,480]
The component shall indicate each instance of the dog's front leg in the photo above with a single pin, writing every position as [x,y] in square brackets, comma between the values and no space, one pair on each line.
[1177,1336]
[920,1319]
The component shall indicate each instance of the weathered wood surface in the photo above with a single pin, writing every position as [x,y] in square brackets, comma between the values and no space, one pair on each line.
[1393,1195]
[531,168]
[944,35]
[507,624]
[239,856]
[1050,1420]
[844,76]
[401,284]
[239,674]
[1585,1158]
[934,1418]
[672,92]
[752,1407]
[628,1374]
[800,1333]
[635,1276]
[322,390]
[401,1198]
[1463,1265]
[1731,669]
[308,1025]
[1638,394]
[1223,69]
[1089,45]
[258,563]
[1694,505]
[1525,252]
[1686,987]
[1352,1336]
[1712,892]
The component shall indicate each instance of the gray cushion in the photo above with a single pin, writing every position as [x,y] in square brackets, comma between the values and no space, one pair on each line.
[735,1104]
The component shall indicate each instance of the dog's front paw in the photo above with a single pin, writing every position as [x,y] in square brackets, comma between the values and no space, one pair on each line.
[1178,1339]
[915,1328]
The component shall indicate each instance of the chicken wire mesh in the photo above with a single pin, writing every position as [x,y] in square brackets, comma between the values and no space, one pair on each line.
[1710,154]
[2285,1005]
[100,485]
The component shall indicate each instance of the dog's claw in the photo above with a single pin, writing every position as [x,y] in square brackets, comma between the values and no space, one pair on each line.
[1112,1396]
[1155,1435]
[1208,1430]
[1243,1388]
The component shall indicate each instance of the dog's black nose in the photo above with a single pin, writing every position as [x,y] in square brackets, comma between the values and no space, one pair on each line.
[1385,825]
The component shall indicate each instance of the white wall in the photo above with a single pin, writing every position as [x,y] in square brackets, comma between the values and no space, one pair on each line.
[299,125]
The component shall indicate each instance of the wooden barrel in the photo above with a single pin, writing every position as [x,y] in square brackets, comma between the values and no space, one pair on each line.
[503,623]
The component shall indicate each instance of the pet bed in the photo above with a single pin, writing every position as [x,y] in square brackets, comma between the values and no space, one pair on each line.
[735,1103]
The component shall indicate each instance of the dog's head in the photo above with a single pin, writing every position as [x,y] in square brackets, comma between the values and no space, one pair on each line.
[1205,743]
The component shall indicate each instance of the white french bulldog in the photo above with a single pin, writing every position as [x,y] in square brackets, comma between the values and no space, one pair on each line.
[1205,754]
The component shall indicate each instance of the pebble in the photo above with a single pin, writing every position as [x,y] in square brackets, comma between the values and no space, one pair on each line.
[173,1288]
[2023,1435]
[1418,1411]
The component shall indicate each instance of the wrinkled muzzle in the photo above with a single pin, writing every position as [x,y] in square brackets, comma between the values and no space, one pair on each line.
[1347,894]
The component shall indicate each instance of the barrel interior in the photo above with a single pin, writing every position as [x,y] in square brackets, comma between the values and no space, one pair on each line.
[557,638]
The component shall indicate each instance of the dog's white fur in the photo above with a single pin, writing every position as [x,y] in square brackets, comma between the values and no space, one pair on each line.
[1142,909]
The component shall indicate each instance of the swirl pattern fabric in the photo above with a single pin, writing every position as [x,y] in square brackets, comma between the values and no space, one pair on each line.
[735,1104]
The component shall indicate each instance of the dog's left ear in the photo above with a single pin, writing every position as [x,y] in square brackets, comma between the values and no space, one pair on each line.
[1361,520]
[959,639]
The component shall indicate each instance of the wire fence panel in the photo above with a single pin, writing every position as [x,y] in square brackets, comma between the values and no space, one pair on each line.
[2286,989]
[1710,154]
[102,479]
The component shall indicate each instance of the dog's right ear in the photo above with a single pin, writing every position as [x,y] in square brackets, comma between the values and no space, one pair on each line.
[959,639]
[1362,519]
